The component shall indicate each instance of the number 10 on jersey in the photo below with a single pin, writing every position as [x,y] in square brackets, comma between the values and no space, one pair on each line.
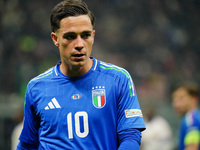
[77,124]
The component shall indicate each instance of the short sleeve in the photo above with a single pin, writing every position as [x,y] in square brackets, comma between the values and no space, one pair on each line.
[129,112]
[192,137]
[192,132]
[30,129]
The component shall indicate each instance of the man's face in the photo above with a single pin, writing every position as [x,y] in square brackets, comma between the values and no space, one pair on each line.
[75,39]
[181,101]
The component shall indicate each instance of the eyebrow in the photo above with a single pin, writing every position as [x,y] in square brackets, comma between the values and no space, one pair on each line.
[67,33]
[87,32]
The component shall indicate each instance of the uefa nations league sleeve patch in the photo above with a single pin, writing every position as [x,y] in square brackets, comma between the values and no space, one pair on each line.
[133,113]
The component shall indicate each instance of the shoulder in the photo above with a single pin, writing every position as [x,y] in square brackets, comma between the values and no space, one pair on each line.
[119,74]
[41,78]
[113,70]
[192,118]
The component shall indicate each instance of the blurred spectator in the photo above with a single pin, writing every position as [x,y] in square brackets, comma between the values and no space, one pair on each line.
[185,101]
[158,134]
[17,129]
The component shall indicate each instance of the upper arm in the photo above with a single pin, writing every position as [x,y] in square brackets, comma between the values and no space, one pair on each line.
[129,113]
[192,147]
[30,129]
[192,140]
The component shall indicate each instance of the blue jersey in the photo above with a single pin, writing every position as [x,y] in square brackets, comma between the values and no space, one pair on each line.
[85,112]
[190,129]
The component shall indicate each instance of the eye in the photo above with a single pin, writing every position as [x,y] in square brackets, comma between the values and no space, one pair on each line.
[70,36]
[85,35]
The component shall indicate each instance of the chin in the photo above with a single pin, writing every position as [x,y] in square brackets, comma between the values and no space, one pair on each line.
[78,64]
[180,113]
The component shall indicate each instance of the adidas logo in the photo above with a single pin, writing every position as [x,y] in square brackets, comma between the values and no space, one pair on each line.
[53,104]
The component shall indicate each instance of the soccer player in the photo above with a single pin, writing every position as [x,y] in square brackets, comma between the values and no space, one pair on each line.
[185,102]
[81,103]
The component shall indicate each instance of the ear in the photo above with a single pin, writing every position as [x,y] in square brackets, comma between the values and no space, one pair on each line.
[93,35]
[54,38]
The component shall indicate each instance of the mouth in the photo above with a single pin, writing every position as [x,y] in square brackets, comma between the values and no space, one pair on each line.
[78,56]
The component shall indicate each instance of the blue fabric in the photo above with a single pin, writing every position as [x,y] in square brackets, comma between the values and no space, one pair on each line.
[191,121]
[64,112]
[129,139]
[25,146]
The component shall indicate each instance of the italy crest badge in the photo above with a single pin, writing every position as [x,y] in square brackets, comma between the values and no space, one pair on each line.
[99,97]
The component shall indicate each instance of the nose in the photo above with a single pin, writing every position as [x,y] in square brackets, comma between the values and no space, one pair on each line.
[79,43]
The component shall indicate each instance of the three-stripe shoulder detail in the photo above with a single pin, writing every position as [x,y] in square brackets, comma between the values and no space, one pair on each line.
[45,74]
[107,66]
[110,67]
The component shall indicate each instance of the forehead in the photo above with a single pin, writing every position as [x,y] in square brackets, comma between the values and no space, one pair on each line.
[76,24]
[180,92]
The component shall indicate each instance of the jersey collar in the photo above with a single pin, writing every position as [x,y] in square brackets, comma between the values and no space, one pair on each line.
[59,73]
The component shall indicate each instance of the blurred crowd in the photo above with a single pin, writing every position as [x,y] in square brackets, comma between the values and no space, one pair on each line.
[158,42]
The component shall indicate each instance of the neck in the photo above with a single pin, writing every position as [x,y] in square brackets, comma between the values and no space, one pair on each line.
[192,108]
[75,71]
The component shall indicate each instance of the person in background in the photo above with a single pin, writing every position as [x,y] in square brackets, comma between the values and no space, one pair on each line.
[158,133]
[80,103]
[185,101]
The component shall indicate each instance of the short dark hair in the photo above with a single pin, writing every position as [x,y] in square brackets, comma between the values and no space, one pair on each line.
[69,8]
[191,88]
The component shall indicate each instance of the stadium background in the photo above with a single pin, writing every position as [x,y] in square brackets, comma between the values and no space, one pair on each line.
[158,42]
